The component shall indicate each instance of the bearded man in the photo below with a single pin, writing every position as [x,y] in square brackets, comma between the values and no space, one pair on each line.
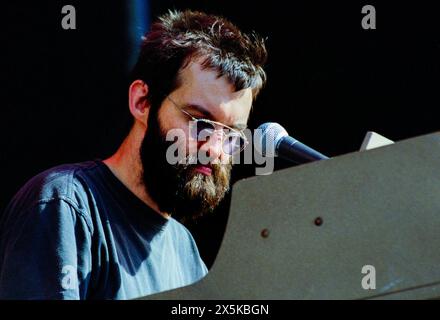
[110,229]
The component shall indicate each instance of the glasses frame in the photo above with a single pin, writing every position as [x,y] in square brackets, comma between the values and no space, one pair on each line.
[215,123]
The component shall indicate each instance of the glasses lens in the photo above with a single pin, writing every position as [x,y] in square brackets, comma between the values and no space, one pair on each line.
[233,143]
[203,130]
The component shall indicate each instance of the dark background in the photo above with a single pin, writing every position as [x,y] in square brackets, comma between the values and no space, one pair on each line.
[63,92]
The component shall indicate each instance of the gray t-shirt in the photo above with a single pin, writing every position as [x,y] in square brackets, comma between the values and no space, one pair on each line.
[76,232]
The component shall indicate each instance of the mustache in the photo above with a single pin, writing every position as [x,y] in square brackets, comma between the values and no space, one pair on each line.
[191,161]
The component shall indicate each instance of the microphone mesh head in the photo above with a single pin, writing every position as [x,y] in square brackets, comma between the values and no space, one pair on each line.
[269,135]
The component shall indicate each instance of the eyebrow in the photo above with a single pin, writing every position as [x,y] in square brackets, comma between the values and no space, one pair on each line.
[208,115]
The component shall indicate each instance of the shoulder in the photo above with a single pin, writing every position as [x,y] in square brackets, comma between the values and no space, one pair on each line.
[62,183]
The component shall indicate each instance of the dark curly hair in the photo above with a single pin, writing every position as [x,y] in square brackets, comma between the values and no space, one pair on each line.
[178,38]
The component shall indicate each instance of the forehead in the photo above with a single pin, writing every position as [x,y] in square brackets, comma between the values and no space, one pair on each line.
[204,87]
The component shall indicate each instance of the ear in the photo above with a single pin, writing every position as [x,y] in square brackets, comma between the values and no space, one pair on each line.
[137,100]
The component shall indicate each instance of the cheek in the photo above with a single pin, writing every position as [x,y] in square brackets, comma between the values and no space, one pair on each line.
[192,147]
[175,127]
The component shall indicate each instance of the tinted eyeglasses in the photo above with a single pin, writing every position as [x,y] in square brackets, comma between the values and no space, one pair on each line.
[233,141]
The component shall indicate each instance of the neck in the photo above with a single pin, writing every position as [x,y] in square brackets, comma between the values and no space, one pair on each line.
[126,165]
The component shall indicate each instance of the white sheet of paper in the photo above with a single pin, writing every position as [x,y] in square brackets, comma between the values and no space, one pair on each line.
[374,140]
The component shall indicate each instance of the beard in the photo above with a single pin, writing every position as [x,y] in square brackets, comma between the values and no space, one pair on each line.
[179,189]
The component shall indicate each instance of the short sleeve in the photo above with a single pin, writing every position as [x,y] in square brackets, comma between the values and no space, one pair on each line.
[45,253]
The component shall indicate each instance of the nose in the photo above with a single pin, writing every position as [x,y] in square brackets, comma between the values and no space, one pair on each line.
[213,147]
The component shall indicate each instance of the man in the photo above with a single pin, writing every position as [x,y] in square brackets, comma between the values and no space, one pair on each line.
[107,229]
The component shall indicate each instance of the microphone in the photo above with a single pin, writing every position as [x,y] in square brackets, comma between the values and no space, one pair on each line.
[275,141]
